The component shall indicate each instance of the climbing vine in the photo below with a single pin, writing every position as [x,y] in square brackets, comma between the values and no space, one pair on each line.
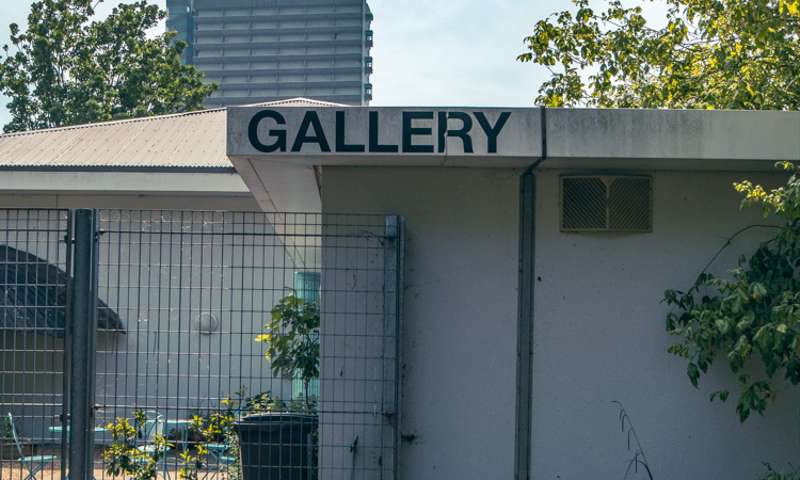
[753,314]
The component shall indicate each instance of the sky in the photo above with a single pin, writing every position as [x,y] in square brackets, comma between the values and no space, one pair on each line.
[430,52]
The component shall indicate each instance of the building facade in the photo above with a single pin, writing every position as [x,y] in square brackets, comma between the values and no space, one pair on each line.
[530,307]
[494,301]
[263,50]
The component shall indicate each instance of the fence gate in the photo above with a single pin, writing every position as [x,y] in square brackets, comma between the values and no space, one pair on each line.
[34,261]
[200,344]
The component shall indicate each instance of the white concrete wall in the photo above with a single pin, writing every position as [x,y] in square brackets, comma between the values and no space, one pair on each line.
[460,310]
[599,329]
[600,337]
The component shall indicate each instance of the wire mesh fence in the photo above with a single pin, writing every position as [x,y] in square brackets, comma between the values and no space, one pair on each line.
[34,266]
[228,345]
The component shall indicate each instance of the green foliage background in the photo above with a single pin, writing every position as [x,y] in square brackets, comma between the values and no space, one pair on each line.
[69,68]
[724,54]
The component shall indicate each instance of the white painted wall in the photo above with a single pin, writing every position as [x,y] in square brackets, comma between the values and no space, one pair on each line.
[460,310]
[600,336]
[599,329]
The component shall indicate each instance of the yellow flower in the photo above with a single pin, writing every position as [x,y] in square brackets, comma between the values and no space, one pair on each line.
[264,337]
[786,165]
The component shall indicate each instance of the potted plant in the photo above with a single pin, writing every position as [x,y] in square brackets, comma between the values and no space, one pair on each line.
[280,443]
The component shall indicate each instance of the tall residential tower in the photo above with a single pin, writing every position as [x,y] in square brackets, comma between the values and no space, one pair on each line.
[261,50]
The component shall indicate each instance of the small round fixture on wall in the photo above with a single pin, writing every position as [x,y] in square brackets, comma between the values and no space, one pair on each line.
[206,323]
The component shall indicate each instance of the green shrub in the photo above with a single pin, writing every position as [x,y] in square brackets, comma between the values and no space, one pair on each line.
[772,474]
[124,458]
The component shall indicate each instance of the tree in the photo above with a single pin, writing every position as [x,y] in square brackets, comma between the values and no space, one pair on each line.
[292,340]
[724,54]
[67,68]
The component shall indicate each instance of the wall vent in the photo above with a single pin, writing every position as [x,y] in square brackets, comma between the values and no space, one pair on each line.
[606,203]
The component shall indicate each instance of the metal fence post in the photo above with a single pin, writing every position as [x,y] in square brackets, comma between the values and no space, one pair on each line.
[83,329]
[64,418]
[394,251]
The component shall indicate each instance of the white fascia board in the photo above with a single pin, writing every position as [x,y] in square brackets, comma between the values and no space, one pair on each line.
[123,182]
[592,138]
[687,139]
[414,136]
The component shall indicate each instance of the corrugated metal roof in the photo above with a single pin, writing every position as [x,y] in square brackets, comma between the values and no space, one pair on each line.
[185,140]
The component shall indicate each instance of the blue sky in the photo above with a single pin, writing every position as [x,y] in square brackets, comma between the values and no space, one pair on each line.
[430,52]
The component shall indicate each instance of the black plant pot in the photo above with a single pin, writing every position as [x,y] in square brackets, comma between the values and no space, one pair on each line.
[278,446]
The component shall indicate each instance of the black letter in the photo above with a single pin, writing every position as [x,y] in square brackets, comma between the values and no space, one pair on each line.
[374,146]
[492,132]
[341,146]
[280,135]
[462,133]
[409,131]
[310,119]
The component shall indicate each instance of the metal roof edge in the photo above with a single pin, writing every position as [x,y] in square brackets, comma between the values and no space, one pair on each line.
[155,118]
[116,169]
[111,123]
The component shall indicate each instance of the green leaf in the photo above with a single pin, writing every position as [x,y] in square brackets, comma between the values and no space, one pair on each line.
[705,56]
[722,395]
[694,374]
[722,326]
[83,69]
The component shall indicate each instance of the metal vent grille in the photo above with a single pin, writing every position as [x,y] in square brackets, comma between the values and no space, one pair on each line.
[606,203]
[583,203]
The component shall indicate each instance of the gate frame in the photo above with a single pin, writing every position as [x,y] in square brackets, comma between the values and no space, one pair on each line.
[69,242]
[394,269]
[79,383]
[82,330]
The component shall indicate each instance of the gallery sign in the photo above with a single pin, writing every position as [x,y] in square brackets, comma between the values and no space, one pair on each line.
[359,131]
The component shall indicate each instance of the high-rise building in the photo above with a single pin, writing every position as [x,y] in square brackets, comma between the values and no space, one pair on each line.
[262,50]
